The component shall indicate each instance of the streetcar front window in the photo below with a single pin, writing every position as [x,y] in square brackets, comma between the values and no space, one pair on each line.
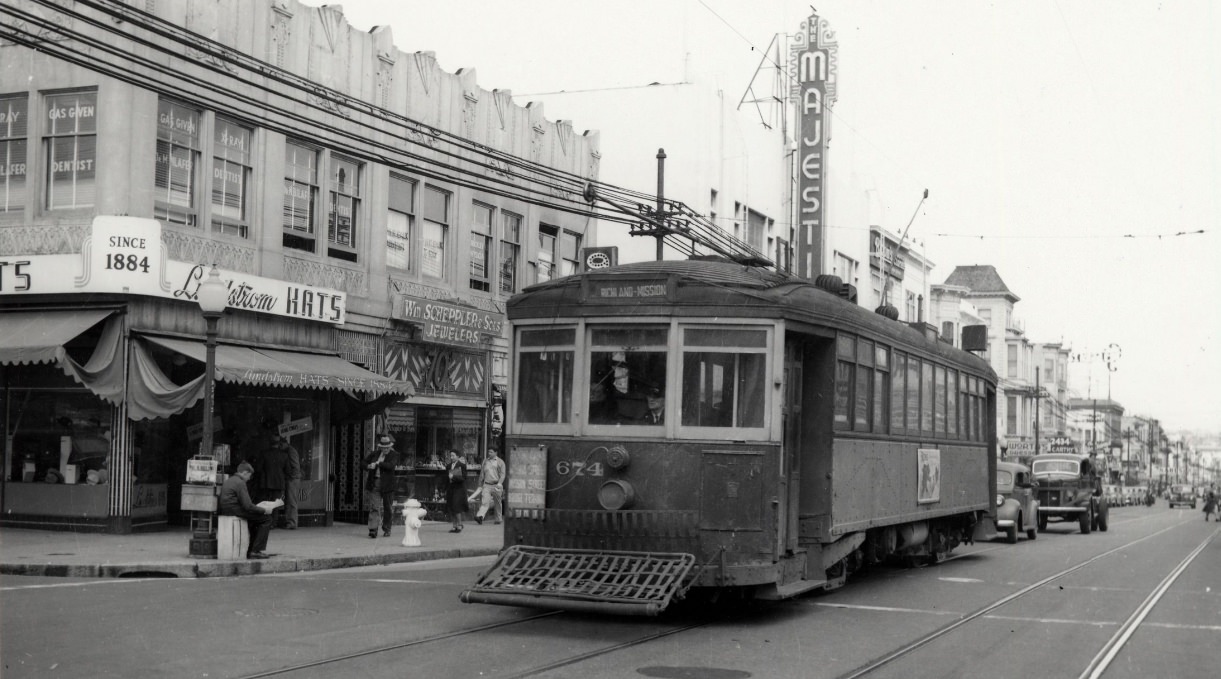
[724,387]
[627,375]
[544,385]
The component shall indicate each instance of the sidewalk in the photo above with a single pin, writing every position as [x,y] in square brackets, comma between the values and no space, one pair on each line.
[165,554]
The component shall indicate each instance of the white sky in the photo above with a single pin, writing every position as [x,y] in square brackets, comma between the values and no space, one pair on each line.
[1066,143]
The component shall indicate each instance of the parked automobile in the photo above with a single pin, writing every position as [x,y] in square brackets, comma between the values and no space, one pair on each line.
[1182,494]
[1070,489]
[1017,510]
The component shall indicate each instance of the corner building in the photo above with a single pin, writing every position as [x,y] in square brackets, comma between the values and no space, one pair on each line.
[369,213]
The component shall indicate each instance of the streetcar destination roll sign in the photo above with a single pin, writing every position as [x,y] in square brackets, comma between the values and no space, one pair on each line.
[619,289]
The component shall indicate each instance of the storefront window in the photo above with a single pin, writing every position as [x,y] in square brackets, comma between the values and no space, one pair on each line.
[60,432]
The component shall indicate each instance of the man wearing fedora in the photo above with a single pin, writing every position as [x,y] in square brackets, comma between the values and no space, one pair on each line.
[379,484]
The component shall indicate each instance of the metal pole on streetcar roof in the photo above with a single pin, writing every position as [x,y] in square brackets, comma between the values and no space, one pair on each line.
[661,201]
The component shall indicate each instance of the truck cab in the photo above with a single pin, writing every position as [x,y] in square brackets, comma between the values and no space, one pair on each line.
[1070,489]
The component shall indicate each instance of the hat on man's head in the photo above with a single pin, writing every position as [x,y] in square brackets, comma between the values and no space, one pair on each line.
[655,392]
[385,440]
[245,467]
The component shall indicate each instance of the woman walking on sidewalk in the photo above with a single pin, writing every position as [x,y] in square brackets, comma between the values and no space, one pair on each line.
[455,495]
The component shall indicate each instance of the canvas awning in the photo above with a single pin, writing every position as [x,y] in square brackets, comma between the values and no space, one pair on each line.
[291,369]
[28,337]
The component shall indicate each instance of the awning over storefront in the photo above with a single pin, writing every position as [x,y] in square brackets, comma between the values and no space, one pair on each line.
[39,336]
[29,337]
[275,368]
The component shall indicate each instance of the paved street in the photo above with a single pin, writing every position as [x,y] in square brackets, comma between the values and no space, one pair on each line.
[405,620]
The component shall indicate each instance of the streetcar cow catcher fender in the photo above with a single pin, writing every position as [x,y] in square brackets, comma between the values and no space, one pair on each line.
[710,426]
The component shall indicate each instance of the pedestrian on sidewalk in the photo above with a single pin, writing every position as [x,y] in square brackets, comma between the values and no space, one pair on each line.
[292,483]
[272,467]
[235,501]
[455,494]
[379,484]
[491,486]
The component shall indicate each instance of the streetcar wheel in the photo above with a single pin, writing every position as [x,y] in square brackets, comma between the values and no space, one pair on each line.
[1011,535]
[1087,521]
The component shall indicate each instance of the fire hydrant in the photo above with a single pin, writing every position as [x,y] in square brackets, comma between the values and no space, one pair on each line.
[413,518]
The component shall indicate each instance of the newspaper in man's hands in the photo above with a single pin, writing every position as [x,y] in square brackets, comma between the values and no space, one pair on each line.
[271,505]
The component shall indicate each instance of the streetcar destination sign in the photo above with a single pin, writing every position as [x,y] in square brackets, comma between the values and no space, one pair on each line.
[613,289]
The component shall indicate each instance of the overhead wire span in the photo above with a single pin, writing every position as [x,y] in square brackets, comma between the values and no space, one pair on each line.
[278,118]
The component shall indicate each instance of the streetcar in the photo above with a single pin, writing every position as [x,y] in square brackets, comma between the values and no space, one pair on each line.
[711,426]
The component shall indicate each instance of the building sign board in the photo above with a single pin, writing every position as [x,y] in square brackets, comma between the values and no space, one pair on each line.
[884,255]
[813,62]
[125,255]
[446,323]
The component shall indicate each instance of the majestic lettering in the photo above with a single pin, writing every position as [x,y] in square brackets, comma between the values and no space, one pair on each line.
[813,63]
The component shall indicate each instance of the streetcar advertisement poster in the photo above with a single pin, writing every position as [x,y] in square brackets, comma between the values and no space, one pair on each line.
[929,467]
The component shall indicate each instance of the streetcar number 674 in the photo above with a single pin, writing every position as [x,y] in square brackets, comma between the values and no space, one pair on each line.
[573,468]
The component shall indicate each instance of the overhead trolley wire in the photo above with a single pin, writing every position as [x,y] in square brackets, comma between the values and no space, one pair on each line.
[364,148]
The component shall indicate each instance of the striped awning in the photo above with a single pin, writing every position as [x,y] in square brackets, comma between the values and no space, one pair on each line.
[290,369]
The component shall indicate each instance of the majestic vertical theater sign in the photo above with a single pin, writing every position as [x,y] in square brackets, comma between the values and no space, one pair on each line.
[813,59]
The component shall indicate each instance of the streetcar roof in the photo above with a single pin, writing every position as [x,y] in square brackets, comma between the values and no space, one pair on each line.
[726,290]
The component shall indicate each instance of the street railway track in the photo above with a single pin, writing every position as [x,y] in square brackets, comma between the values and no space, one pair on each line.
[334,665]
[1105,655]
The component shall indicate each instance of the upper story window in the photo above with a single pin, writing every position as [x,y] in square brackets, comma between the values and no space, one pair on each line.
[400,222]
[344,209]
[300,196]
[70,147]
[548,241]
[176,179]
[570,249]
[756,229]
[14,142]
[481,247]
[436,232]
[231,173]
[510,251]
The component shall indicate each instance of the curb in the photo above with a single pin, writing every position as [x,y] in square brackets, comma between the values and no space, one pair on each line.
[226,569]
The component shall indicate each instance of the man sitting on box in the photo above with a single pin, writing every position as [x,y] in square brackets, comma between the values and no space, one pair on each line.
[235,501]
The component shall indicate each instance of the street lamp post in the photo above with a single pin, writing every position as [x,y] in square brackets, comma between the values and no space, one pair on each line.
[213,298]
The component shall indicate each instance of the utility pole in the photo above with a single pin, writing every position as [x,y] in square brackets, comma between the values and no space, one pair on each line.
[661,201]
[1037,412]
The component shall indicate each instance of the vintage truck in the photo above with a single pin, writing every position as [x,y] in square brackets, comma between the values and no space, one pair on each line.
[1070,489]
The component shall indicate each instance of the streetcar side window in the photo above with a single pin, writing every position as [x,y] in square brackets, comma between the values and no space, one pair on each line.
[724,377]
[627,375]
[544,369]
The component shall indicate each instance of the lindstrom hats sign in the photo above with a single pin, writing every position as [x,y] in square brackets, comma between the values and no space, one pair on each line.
[125,255]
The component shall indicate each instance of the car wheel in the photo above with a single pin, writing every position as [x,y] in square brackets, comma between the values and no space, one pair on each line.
[1042,523]
[1031,533]
[1011,535]
[1102,519]
[1087,522]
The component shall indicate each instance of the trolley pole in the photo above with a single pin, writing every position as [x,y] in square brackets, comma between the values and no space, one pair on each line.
[661,201]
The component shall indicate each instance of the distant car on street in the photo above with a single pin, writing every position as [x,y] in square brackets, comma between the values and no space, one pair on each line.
[1017,509]
[1182,494]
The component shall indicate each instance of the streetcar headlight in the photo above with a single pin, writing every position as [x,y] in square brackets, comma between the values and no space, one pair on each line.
[616,494]
[1000,499]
